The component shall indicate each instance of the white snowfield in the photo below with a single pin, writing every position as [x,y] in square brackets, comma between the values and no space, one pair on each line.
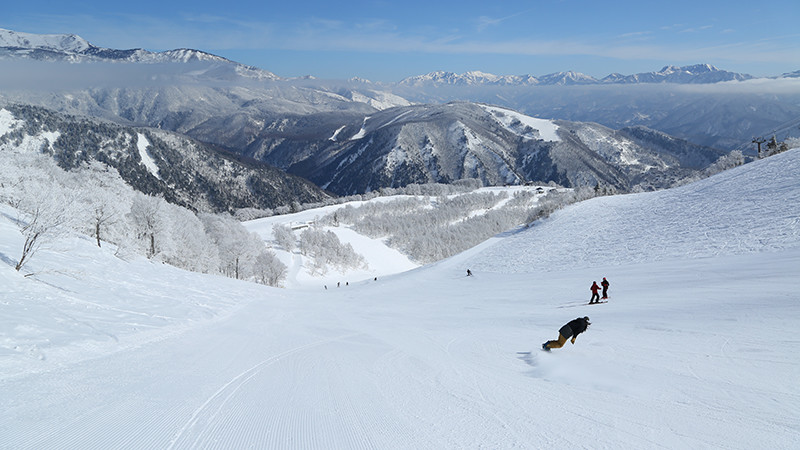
[695,349]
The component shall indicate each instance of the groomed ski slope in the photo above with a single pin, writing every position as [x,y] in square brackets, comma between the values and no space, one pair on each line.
[696,348]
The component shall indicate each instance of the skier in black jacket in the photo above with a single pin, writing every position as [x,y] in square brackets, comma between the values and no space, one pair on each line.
[570,330]
[605,284]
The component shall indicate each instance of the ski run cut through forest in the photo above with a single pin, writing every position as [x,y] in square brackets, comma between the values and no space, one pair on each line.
[694,349]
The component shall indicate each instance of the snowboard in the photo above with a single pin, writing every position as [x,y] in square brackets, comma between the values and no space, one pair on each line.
[596,303]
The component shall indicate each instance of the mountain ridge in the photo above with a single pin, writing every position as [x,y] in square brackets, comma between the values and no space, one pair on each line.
[73,48]
[692,74]
[460,140]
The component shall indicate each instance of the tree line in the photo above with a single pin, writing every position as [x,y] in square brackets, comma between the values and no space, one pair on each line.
[428,229]
[92,199]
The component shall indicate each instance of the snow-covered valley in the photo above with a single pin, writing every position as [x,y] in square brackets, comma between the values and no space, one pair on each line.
[694,349]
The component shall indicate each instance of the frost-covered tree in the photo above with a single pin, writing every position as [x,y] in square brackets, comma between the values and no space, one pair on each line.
[33,184]
[245,214]
[186,243]
[102,215]
[101,202]
[44,217]
[725,162]
[237,247]
[268,269]
[147,221]
[325,249]
[284,237]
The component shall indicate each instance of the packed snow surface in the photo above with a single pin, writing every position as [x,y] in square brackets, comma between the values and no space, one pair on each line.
[695,348]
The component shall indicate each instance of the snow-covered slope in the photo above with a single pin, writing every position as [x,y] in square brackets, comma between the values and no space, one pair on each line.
[727,214]
[694,349]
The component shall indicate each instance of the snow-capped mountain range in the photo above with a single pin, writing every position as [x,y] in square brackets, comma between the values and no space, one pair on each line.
[695,74]
[73,48]
[70,47]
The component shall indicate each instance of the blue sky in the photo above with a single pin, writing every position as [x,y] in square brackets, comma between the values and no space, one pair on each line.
[390,40]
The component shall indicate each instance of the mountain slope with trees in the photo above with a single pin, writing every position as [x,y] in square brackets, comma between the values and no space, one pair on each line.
[455,141]
[181,170]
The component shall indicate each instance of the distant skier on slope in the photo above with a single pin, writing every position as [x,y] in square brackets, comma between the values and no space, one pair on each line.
[595,296]
[571,329]
[605,285]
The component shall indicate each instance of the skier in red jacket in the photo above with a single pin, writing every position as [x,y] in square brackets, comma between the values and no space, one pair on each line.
[595,295]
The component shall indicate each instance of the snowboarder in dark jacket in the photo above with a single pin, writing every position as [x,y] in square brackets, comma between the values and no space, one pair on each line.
[595,296]
[605,284]
[570,330]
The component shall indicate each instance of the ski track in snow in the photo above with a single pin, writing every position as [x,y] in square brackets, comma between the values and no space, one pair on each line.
[215,404]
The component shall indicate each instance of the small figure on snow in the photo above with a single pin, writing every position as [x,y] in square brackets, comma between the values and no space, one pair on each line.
[605,285]
[571,329]
[595,296]
[469,273]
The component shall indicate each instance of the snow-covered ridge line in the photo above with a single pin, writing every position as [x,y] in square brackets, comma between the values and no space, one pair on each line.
[61,42]
[548,130]
[73,48]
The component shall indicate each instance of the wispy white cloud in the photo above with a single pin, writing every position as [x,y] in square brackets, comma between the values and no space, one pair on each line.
[485,22]
[635,35]
[697,29]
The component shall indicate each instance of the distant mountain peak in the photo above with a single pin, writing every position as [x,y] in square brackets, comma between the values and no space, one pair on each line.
[795,74]
[567,78]
[53,42]
[190,55]
[696,68]
[359,80]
